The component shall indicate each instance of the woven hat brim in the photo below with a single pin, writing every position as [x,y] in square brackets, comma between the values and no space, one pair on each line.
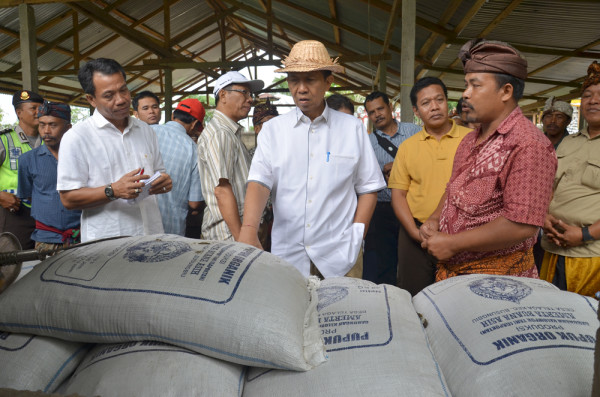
[310,68]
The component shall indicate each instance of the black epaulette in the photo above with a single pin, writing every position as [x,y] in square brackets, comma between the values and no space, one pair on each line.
[6,131]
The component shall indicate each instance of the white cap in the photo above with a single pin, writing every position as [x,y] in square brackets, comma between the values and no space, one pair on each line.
[236,78]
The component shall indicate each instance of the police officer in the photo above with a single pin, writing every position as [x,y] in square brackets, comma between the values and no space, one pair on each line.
[14,213]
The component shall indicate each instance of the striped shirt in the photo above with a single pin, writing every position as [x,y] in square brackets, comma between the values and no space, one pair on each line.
[178,152]
[405,131]
[221,155]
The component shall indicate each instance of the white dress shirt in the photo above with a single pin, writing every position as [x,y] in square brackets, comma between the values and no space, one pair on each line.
[95,153]
[315,170]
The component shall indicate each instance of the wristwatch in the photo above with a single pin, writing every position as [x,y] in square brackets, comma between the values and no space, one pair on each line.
[108,190]
[585,234]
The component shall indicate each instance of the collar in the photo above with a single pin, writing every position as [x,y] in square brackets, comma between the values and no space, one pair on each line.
[585,132]
[301,117]
[25,138]
[453,133]
[508,123]
[101,122]
[233,126]
[398,131]
[43,151]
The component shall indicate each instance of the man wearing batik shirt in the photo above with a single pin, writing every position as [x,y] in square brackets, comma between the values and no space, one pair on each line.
[501,182]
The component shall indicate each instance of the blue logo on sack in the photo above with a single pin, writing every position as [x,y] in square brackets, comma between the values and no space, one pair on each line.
[330,295]
[500,288]
[156,251]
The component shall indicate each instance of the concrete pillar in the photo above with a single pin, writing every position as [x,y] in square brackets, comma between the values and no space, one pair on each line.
[407,67]
[29,67]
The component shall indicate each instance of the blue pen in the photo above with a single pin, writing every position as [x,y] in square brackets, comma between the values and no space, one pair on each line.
[328,157]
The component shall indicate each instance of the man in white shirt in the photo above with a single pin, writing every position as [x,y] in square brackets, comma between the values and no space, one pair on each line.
[105,159]
[322,171]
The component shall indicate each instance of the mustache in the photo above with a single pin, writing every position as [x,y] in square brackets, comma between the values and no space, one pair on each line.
[467,104]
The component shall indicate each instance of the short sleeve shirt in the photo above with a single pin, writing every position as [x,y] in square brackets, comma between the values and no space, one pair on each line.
[95,153]
[423,167]
[221,155]
[315,170]
[508,175]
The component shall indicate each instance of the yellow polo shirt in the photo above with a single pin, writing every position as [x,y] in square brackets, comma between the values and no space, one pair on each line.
[423,167]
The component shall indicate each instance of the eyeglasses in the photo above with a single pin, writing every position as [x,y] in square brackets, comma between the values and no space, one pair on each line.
[245,93]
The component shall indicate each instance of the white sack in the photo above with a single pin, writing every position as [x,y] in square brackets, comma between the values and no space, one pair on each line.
[149,368]
[30,362]
[510,336]
[376,347]
[226,300]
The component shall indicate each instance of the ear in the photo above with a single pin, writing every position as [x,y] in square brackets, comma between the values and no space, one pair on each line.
[416,111]
[91,100]
[507,92]
[193,125]
[135,114]
[329,81]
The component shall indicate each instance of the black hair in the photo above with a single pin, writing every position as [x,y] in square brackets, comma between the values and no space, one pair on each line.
[184,117]
[141,95]
[338,101]
[518,84]
[424,83]
[377,94]
[106,66]
[326,73]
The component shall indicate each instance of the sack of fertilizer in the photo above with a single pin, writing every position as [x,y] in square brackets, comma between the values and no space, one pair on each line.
[149,368]
[376,347]
[227,300]
[30,362]
[510,336]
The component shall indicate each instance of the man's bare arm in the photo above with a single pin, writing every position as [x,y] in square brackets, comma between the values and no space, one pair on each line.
[256,200]
[228,207]
[364,209]
[497,234]
[404,214]
[88,197]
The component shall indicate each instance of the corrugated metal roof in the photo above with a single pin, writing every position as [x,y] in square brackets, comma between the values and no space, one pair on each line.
[541,25]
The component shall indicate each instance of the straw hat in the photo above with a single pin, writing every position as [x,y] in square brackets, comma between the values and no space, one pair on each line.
[309,56]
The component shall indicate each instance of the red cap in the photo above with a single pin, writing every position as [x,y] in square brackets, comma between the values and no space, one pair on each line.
[193,107]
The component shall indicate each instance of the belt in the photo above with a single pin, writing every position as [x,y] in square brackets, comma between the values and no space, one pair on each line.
[69,234]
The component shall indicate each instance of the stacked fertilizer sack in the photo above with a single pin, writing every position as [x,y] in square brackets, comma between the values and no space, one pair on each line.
[376,347]
[225,300]
[509,336]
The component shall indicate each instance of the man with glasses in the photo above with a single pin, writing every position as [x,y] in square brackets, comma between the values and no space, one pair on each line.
[556,117]
[223,160]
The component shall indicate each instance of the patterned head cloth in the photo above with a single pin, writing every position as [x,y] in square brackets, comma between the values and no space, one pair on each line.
[552,105]
[593,75]
[60,110]
[263,110]
[488,56]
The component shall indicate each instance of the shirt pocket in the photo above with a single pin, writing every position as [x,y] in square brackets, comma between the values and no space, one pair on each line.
[591,174]
[343,166]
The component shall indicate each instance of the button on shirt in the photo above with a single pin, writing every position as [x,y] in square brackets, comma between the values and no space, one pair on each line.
[404,131]
[315,171]
[95,153]
[178,152]
[37,180]
[221,155]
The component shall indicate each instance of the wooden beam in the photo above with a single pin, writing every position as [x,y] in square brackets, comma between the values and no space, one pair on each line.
[333,12]
[120,28]
[388,37]
[500,17]
[15,3]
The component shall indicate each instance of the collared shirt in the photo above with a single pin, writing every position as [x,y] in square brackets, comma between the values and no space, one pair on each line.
[178,152]
[221,155]
[576,198]
[315,170]
[32,141]
[404,131]
[509,174]
[423,167]
[95,153]
[37,180]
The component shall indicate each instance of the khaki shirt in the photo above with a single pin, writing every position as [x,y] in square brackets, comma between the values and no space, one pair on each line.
[576,198]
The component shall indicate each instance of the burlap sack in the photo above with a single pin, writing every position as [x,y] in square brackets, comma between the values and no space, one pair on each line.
[376,347]
[30,362]
[150,368]
[226,300]
[510,336]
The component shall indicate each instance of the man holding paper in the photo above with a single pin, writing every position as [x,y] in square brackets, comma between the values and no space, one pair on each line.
[108,157]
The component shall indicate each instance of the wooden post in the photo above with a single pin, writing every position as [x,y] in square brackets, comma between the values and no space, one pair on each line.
[29,67]
[407,69]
